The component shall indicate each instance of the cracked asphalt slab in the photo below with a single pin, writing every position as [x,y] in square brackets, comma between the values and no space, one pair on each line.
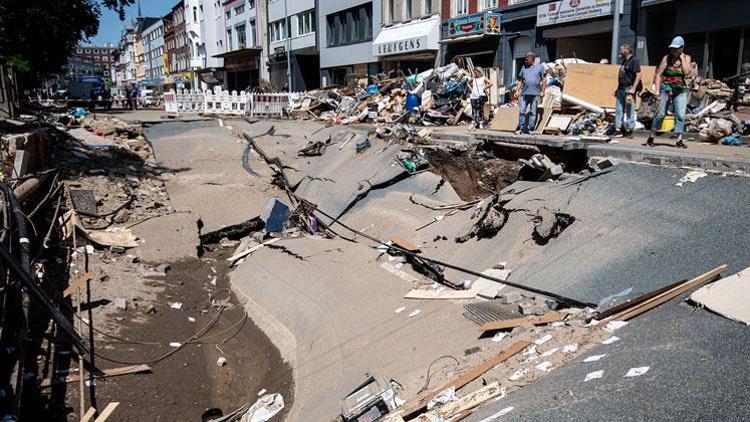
[323,302]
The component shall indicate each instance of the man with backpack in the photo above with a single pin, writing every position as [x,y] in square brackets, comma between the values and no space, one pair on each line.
[628,85]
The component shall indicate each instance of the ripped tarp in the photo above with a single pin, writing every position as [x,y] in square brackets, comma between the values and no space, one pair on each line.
[727,297]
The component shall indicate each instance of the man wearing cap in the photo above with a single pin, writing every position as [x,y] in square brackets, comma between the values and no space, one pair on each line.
[671,85]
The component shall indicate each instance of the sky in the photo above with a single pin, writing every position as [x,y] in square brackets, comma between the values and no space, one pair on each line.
[110,24]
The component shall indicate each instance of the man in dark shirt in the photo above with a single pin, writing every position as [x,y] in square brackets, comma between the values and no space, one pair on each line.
[628,84]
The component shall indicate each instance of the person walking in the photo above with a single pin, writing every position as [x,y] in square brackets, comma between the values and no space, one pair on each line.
[531,83]
[134,97]
[628,84]
[672,89]
[478,97]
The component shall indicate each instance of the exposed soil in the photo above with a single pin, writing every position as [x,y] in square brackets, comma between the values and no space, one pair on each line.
[186,384]
[475,174]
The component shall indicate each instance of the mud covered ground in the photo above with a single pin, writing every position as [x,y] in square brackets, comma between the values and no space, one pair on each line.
[185,384]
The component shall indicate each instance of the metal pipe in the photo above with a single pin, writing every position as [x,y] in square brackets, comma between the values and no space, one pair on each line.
[615,30]
[288,47]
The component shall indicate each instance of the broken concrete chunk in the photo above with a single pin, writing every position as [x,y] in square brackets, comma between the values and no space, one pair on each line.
[532,308]
[121,303]
[510,297]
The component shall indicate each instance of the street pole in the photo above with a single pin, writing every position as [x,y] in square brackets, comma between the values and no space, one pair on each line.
[288,47]
[615,30]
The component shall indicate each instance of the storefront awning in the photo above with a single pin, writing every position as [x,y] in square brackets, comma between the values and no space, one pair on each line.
[408,37]
[242,52]
[645,3]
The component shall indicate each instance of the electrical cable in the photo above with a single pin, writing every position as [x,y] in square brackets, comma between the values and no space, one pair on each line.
[427,378]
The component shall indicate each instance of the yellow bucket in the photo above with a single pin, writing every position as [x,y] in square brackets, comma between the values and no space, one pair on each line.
[667,125]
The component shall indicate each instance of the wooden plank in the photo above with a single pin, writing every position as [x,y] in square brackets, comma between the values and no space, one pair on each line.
[248,251]
[79,282]
[400,241]
[668,295]
[630,303]
[466,378]
[88,415]
[463,404]
[596,83]
[505,119]
[517,322]
[546,115]
[446,293]
[107,411]
[113,372]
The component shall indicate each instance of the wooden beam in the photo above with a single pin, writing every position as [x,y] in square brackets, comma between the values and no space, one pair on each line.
[88,415]
[466,378]
[668,295]
[630,303]
[79,282]
[114,372]
[107,411]
[504,324]
[463,404]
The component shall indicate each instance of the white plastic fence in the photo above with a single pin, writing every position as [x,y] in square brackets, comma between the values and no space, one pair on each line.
[223,102]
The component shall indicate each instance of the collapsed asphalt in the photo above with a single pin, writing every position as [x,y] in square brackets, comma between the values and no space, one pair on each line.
[633,228]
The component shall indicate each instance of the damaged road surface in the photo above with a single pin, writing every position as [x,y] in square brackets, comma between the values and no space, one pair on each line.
[347,273]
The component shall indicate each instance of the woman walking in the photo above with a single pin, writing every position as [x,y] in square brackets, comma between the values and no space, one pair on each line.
[479,88]
[671,86]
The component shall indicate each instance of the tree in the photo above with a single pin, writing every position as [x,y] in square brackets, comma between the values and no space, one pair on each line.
[37,36]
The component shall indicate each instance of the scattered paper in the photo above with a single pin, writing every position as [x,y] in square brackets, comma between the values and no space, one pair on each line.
[261,392]
[594,358]
[399,310]
[549,352]
[542,340]
[615,325]
[499,337]
[498,414]
[175,344]
[191,319]
[557,324]
[414,313]
[530,351]
[570,348]
[611,340]
[637,372]
[445,396]
[221,361]
[175,305]
[593,375]
[545,366]
[691,177]
[518,374]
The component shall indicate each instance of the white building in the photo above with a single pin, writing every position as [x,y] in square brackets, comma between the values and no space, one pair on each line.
[292,32]
[152,38]
[242,18]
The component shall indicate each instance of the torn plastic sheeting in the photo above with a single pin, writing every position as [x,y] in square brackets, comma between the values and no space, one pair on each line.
[608,301]
[264,409]
[445,396]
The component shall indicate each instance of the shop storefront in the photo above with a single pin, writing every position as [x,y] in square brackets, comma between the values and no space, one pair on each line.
[476,36]
[411,47]
[717,36]
[240,68]
[580,29]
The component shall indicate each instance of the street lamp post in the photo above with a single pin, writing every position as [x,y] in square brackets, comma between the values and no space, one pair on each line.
[288,47]
[615,30]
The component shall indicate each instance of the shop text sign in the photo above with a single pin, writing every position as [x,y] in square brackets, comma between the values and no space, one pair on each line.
[572,10]
[476,23]
[400,46]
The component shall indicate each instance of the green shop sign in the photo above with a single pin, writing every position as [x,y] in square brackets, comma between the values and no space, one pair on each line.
[477,23]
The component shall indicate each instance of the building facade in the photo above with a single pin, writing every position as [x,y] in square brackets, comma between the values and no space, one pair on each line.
[717,37]
[472,29]
[100,56]
[177,55]
[152,39]
[409,36]
[243,45]
[346,29]
[291,29]
[196,47]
